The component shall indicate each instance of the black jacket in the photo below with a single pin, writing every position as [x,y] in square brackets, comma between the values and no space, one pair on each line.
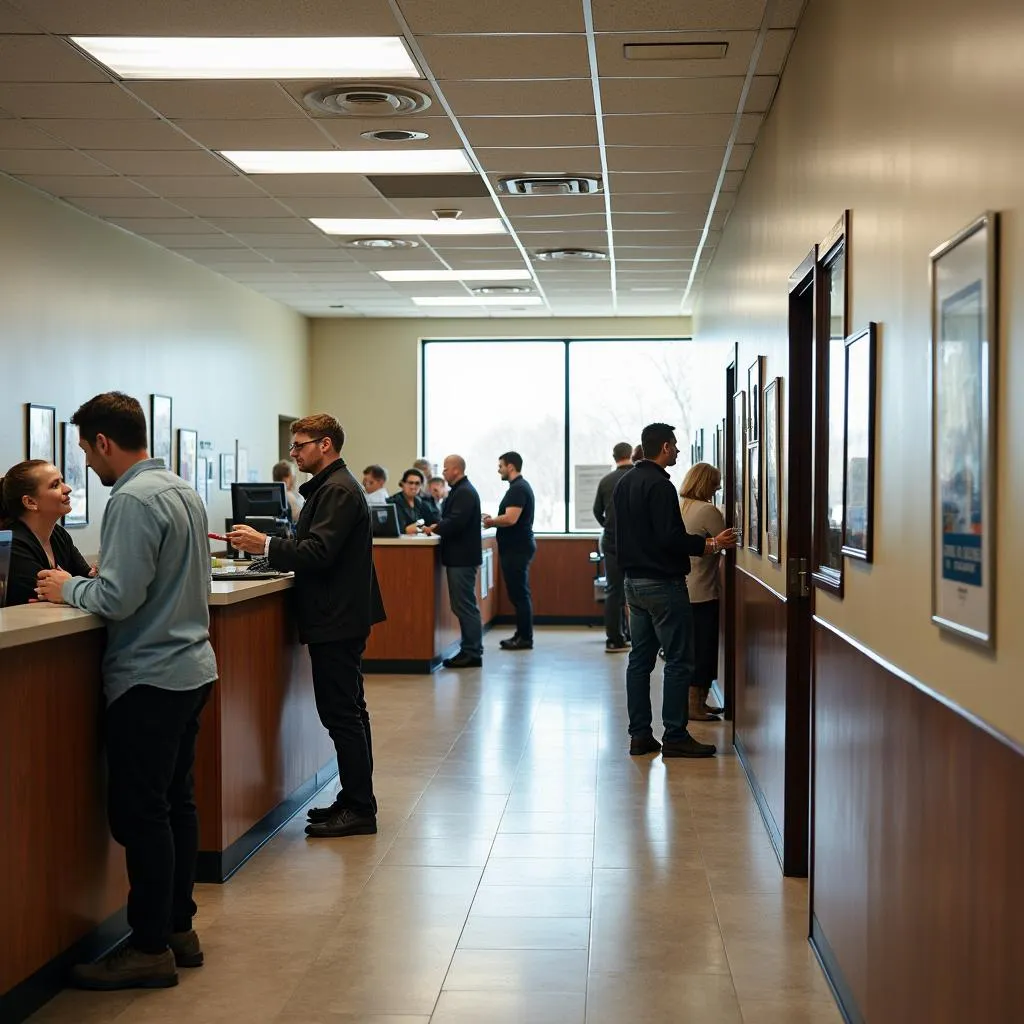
[651,541]
[28,559]
[604,510]
[459,527]
[336,596]
[407,516]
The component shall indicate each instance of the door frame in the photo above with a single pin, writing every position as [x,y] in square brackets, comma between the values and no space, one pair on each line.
[729,569]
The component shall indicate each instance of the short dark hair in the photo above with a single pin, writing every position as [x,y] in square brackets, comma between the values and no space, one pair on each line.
[413,472]
[377,472]
[321,424]
[513,459]
[116,416]
[281,471]
[638,454]
[654,437]
[622,451]
[437,480]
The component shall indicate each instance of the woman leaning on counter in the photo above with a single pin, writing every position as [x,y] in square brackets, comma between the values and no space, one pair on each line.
[33,498]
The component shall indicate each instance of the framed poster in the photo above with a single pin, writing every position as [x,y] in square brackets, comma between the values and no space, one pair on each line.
[754,498]
[203,478]
[75,476]
[772,470]
[859,434]
[755,373]
[964,293]
[160,429]
[227,470]
[41,433]
[739,450]
[188,453]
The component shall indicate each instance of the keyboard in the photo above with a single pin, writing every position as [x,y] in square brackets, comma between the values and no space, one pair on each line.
[257,569]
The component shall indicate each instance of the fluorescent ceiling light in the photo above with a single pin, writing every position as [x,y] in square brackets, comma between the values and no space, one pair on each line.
[336,161]
[454,275]
[154,57]
[479,300]
[408,226]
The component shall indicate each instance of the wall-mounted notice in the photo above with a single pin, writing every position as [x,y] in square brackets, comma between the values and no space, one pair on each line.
[586,479]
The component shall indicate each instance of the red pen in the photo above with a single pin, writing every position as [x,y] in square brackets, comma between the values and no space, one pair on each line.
[217,536]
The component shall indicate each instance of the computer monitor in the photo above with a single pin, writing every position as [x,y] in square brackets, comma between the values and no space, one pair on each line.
[385,520]
[264,501]
[6,540]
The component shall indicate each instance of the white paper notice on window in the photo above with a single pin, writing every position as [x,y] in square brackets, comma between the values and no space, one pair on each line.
[586,479]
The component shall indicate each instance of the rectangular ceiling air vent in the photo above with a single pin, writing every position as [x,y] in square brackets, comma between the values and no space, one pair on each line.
[550,185]
[674,51]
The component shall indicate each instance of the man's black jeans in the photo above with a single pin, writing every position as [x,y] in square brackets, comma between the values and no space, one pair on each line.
[341,704]
[615,617]
[515,567]
[151,748]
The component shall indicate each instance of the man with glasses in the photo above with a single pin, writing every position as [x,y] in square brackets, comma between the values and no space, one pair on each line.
[337,600]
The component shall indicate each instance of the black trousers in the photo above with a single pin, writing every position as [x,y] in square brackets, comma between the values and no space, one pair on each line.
[151,749]
[341,704]
[616,619]
[515,567]
[705,642]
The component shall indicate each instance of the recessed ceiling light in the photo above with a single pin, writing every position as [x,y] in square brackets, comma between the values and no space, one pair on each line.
[571,254]
[478,300]
[502,289]
[409,226]
[454,275]
[335,161]
[251,57]
[394,135]
[380,243]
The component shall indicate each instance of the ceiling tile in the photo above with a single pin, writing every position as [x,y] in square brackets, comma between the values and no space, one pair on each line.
[568,160]
[659,16]
[87,100]
[117,206]
[685,95]
[529,226]
[526,98]
[668,203]
[45,59]
[196,17]
[493,242]
[204,186]
[675,237]
[186,241]
[279,225]
[269,133]
[787,13]
[645,159]
[667,181]
[67,187]
[226,256]
[526,208]
[11,22]
[317,185]
[338,206]
[21,135]
[345,131]
[48,161]
[162,162]
[225,206]
[427,17]
[217,100]
[465,58]
[275,243]
[86,133]
[531,132]
[678,129]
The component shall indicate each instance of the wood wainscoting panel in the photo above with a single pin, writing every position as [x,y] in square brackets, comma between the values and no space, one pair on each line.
[561,580]
[918,843]
[61,874]
[408,585]
[771,723]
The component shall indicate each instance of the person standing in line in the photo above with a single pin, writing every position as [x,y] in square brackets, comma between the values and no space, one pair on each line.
[284,473]
[375,479]
[702,519]
[516,546]
[462,556]
[654,551]
[152,590]
[437,488]
[615,624]
[337,601]
[426,468]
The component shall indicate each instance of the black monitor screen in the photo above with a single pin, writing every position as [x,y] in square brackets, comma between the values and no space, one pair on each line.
[384,519]
[268,500]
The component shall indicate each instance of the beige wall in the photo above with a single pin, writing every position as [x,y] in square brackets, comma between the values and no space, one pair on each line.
[908,114]
[367,372]
[85,307]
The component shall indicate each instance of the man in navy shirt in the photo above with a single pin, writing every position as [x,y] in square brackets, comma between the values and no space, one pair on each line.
[516,546]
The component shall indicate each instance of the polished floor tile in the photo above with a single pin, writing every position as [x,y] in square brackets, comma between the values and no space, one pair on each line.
[527,870]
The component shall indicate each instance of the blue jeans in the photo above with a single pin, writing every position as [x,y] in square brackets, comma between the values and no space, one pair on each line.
[515,567]
[659,616]
[462,594]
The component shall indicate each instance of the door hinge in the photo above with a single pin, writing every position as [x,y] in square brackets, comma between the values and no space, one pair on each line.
[799,578]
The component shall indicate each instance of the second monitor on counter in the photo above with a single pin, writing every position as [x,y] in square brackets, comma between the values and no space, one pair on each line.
[262,506]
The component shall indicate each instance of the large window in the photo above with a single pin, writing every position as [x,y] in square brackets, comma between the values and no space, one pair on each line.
[563,405]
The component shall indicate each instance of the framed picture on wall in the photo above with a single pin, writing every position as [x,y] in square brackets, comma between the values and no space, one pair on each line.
[964,360]
[754,498]
[739,451]
[227,470]
[755,373]
[859,457]
[75,476]
[241,464]
[41,433]
[188,455]
[160,429]
[772,471]
[203,478]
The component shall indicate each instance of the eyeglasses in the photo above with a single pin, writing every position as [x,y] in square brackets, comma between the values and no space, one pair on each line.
[295,446]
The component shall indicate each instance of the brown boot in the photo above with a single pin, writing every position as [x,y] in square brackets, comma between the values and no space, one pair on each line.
[709,707]
[186,949]
[697,712]
[127,968]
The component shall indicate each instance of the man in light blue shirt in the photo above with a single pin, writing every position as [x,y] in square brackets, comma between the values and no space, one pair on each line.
[158,670]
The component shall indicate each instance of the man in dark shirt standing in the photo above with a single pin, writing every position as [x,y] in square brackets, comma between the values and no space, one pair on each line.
[604,513]
[462,555]
[516,546]
[654,551]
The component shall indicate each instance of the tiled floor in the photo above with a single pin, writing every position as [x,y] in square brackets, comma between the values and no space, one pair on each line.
[527,870]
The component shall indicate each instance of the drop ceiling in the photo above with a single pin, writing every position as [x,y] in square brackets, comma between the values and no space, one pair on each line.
[531,87]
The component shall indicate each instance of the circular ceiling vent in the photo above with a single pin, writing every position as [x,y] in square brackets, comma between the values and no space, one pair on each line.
[502,289]
[394,135]
[366,99]
[380,243]
[572,254]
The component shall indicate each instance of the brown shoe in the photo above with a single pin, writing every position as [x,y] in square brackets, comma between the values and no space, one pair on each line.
[697,712]
[687,747]
[644,743]
[127,968]
[186,949]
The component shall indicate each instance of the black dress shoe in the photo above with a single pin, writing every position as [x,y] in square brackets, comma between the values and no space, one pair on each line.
[345,822]
[644,743]
[317,815]
[516,643]
[687,747]
[462,660]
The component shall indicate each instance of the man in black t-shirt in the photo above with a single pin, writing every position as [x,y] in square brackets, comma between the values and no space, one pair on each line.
[516,546]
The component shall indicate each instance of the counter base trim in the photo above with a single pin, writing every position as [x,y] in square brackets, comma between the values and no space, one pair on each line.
[830,966]
[35,991]
[219,865]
